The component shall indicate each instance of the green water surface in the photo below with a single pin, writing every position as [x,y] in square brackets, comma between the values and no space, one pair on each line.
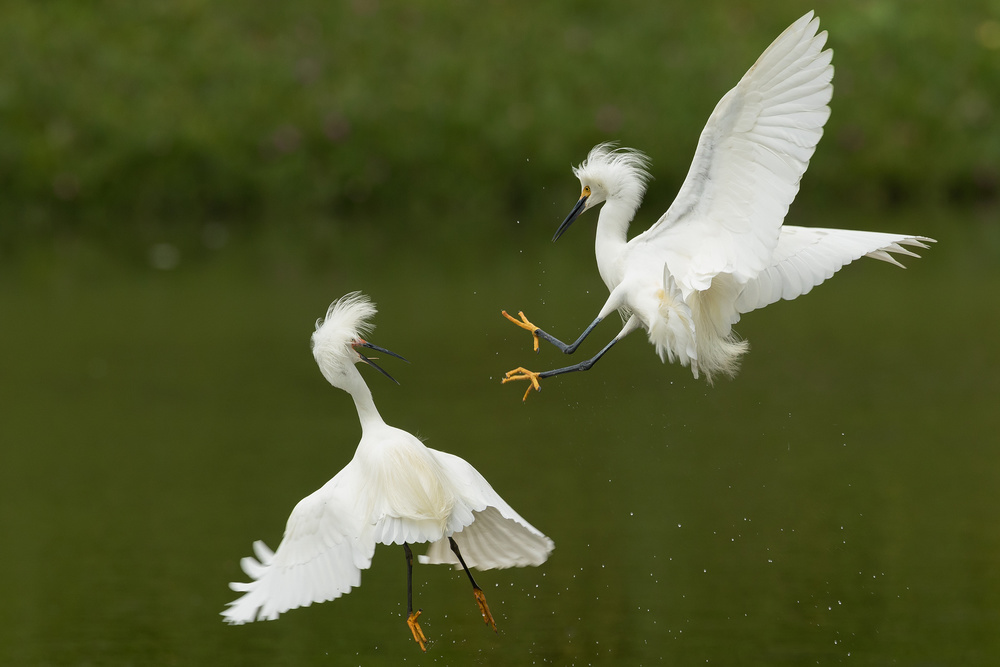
[837,503]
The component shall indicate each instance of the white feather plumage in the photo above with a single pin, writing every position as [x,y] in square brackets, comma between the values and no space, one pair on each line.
[394,490]
[721,249]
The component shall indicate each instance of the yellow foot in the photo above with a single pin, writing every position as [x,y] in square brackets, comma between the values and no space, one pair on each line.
[524,324]
[418,634]
[484,608]
[523,374]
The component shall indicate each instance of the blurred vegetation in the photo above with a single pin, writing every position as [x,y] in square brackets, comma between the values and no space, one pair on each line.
[193,120]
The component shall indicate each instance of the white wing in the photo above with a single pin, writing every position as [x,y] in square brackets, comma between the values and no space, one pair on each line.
[750,157]
[488,531]
[806,256]
[320,556]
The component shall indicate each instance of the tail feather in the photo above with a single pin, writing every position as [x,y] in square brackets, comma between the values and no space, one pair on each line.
[492,542]
[806,256]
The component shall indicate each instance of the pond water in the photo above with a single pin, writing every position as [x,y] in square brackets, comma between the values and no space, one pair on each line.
[838,502]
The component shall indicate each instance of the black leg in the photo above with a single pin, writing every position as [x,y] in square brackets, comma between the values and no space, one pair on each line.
[454,547]
[571,348]
[533,377]
[582,366]
[538,333]
[409,579]
[411,617]
[522,373]
[476,590]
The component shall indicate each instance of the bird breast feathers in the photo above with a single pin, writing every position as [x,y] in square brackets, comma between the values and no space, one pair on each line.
[404,480]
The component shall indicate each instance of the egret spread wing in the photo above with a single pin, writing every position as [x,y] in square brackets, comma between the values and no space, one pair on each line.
[806,256]
[750,157]
[492,535]
[320,557]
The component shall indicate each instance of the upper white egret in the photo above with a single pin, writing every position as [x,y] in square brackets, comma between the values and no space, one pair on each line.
[394,491]
[720,250]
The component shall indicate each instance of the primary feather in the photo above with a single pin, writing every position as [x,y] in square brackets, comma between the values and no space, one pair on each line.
[750,158]
[394,490]
[721,248]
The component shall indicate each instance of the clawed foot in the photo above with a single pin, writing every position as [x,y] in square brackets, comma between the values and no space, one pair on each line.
[523,374]
[418,634]
[484,608]
[524,324]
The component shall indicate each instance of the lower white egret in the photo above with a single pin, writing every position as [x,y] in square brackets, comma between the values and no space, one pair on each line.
[720,250]
[394,491]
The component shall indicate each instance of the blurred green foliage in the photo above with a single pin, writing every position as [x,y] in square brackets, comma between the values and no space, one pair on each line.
[124,121]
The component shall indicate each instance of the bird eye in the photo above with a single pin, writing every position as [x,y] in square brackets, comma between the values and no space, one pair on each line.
[586,191]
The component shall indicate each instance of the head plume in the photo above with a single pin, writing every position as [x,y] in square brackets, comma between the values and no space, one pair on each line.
[622,173]
[347,320]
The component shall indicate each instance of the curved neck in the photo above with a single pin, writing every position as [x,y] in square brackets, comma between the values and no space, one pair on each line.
[367,412]
[612,237]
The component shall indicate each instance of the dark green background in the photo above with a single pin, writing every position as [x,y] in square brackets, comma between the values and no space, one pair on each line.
[139,122]
[185,186]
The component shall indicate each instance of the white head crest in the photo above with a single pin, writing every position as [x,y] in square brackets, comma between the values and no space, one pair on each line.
[613,172]
[347,320]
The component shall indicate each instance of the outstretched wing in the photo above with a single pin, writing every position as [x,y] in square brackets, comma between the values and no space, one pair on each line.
[806,256]
[750,157]
[320,557]
[488,531]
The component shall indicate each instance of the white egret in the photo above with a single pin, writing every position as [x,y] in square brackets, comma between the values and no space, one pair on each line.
[394,491]
[720,250]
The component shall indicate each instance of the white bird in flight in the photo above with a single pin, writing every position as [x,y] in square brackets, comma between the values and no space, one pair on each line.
[394,491]
[720,250]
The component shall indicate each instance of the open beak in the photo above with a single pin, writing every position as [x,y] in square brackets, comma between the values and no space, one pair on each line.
[581,204]
[364,343]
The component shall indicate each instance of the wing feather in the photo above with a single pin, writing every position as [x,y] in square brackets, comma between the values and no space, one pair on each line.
[750,158]
[806,256]
[319,559]
[494,535]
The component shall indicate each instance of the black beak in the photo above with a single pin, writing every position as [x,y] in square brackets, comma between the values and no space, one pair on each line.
[573,215]
[364,343]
